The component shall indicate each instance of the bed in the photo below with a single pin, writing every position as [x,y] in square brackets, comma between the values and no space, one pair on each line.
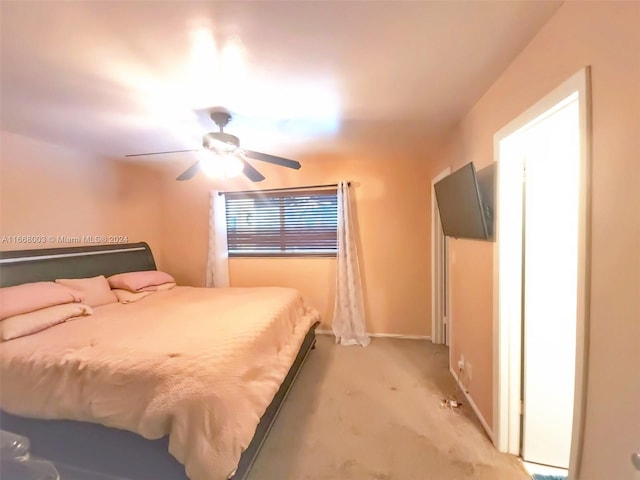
[112,393]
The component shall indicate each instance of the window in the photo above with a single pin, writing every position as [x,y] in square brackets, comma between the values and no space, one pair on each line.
[283,223]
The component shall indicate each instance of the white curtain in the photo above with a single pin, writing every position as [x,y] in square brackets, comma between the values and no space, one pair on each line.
[348,316]
[218,259]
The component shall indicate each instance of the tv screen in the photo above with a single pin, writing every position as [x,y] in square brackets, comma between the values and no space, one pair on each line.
[460,205]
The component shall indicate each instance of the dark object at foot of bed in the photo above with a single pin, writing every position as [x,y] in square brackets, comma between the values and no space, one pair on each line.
[122,455]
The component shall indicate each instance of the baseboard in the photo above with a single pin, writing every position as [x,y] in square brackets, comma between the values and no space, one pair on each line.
[384,335]
[473,405]
[323,332]
[400,336]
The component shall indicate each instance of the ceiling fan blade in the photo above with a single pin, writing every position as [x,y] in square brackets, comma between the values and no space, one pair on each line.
[161,153]
[189,172]
[265,157]
[251,173]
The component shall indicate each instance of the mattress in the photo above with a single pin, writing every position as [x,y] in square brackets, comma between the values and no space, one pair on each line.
[199,365]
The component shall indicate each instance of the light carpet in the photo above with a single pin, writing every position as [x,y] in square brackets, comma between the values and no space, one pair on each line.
[374,413]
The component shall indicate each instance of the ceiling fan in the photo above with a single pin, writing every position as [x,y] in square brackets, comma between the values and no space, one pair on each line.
[226,147]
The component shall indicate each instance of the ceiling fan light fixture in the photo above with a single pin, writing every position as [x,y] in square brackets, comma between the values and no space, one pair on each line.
[233,166]
[221,166]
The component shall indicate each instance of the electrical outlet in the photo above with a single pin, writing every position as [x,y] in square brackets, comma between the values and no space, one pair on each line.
[461,363]
[468,371]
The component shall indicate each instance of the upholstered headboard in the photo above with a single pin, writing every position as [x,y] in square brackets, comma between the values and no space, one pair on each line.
[23,266]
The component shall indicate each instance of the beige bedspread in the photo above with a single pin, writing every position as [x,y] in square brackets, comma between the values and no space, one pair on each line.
[200,365]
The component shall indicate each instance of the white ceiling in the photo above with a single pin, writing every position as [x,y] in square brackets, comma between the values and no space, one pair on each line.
[122,77]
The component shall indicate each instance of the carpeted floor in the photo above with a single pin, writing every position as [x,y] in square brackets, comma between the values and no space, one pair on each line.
[374,414]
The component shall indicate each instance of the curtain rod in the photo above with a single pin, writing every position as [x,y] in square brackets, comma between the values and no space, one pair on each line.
[308,187]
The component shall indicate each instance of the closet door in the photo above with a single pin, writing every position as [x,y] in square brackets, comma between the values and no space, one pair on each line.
[550,283]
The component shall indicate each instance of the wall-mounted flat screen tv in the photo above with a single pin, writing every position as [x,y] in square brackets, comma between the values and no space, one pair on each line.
[462,212]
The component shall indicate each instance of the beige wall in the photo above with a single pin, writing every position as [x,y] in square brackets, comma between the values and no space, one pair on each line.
[391,200]
[50,191]
[606,36]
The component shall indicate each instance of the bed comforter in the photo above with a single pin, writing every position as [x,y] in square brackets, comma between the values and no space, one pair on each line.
[199,365]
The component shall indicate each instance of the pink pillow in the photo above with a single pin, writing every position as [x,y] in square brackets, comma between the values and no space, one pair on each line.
[138,281]
[29,297]
[95,291]
[159,288]
[32,322]
[125,296]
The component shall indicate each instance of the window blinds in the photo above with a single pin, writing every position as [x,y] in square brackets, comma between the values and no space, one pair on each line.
[283,223]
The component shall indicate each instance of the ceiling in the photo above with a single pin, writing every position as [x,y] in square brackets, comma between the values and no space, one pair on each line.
[122,77]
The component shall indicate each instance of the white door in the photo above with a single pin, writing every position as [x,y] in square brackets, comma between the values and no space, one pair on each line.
[445,287]
[550,284]
[440,332]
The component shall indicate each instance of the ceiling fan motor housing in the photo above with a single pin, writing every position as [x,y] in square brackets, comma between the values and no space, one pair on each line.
[209,140]
[220,117]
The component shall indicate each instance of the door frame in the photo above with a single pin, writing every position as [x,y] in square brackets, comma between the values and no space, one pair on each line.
[438,250]
[507,341]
